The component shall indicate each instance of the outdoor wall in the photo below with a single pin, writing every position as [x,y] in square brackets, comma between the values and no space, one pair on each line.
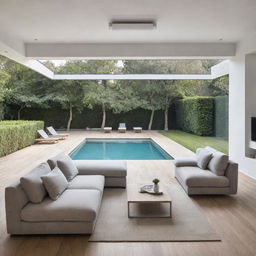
[242,104]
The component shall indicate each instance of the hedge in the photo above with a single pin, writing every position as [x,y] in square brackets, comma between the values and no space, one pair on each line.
[15,135]
[221,116]
[196,115]
[2,108]
[92,118]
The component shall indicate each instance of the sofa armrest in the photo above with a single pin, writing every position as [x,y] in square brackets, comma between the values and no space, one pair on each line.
[188,161]
[232,174]
[15,200]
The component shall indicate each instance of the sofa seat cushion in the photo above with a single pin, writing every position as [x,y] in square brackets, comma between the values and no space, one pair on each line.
[107,168]
[72,205]
[88,182]
[196,177]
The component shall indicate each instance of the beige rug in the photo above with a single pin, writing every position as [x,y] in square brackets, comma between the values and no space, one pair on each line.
[187,222]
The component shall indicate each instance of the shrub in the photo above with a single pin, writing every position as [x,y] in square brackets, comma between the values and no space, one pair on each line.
[15,135]
[196,115]
[221,116]
[92,118]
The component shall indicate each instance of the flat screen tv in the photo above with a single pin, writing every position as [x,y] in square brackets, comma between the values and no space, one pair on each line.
[253,128]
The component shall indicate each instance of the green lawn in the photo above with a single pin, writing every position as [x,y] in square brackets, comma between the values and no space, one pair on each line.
[193,142]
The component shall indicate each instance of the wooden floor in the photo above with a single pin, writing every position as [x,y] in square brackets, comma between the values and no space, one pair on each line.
[233,217]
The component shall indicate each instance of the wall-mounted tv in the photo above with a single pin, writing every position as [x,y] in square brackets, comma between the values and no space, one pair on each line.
[253,128]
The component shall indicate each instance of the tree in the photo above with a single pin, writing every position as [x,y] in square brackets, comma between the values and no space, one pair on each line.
[146,91]
[68,94]
[75,94]
[148,94]
[173,89]
[219,86]
[100,94]
[21,86]
[125,98]
[4,77]
[160,94]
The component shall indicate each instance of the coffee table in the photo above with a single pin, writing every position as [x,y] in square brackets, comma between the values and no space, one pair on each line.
[135,197]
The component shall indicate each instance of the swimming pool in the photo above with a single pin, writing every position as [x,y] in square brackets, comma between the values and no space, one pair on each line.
[115,149]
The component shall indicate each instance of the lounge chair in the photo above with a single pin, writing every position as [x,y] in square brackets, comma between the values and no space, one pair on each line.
[122,128]
[137,129]
[47,139]
[107,129]
[53,132]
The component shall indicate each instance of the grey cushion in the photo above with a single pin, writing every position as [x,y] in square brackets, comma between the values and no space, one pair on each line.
[210,149]
[55,183]
[196,177]
[88,182]
[218,163]
[198,150]
[188,161]
[203,158]
[53,160]
[108,168]
[33,185]
[67,166]
[72,205]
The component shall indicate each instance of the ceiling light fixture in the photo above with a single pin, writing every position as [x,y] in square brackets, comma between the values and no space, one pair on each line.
[132,25]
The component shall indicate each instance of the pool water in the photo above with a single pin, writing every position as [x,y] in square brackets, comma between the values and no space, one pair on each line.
[116,149]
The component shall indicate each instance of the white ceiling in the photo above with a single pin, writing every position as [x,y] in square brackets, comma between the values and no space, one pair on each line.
[86,21]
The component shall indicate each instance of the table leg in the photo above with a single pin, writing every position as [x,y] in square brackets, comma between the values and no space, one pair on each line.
[128,205]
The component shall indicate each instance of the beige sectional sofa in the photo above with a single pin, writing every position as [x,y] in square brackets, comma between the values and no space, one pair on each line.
[76,209]
[219,177]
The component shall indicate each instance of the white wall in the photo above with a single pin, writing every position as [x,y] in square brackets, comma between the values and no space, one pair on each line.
[242,104]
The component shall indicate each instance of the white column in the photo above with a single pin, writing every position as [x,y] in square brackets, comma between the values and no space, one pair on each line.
[242,106]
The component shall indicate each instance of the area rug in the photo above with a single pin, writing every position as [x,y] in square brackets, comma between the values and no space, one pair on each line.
[187,222]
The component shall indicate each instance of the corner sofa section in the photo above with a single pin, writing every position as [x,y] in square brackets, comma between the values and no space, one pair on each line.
[197,181]
[75,211]
[114,171]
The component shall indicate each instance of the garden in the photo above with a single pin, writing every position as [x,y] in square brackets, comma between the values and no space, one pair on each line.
[196,107]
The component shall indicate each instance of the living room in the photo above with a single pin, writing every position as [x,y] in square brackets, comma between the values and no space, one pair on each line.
[124,188]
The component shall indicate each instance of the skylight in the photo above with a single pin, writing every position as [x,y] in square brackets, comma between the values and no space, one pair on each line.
[117,67]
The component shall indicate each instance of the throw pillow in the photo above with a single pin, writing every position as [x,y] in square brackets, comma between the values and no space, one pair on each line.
[68,167]
[33,185]
[218,163]
[203,158]
[55,183]
[198,150]
[53,161]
